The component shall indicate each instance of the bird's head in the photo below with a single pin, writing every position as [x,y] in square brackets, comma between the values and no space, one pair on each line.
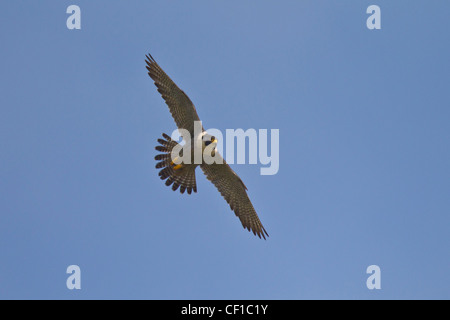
[209,145]
[208,140]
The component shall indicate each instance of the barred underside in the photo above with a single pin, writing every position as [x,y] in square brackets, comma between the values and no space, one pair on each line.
[184,177]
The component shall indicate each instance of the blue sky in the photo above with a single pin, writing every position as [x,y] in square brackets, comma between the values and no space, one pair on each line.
[364,173]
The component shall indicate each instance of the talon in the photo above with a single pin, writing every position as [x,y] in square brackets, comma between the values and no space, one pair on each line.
[178,166]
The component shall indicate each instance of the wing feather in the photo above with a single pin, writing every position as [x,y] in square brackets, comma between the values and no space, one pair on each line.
[181,107]
[234,191]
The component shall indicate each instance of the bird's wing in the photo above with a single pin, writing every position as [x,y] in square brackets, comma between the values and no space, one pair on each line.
[180,106]
[234,191]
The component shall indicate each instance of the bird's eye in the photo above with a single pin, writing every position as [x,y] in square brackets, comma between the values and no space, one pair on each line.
[213,138]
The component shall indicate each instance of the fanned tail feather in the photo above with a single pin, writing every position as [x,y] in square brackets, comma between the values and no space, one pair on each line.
[184,177]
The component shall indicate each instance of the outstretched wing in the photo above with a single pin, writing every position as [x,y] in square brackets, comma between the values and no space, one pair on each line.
[234,191]
[180,106]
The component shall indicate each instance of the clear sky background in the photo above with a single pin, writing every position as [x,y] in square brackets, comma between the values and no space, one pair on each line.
[364,173]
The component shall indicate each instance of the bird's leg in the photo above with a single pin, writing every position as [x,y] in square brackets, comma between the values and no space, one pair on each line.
[173,161]
[178,166]
[175,167]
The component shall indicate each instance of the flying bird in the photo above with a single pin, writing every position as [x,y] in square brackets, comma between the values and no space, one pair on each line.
[182,175]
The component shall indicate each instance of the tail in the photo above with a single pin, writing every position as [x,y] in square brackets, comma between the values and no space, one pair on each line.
[182,176]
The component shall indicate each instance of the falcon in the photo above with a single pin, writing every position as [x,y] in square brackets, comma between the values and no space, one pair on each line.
[182,175]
